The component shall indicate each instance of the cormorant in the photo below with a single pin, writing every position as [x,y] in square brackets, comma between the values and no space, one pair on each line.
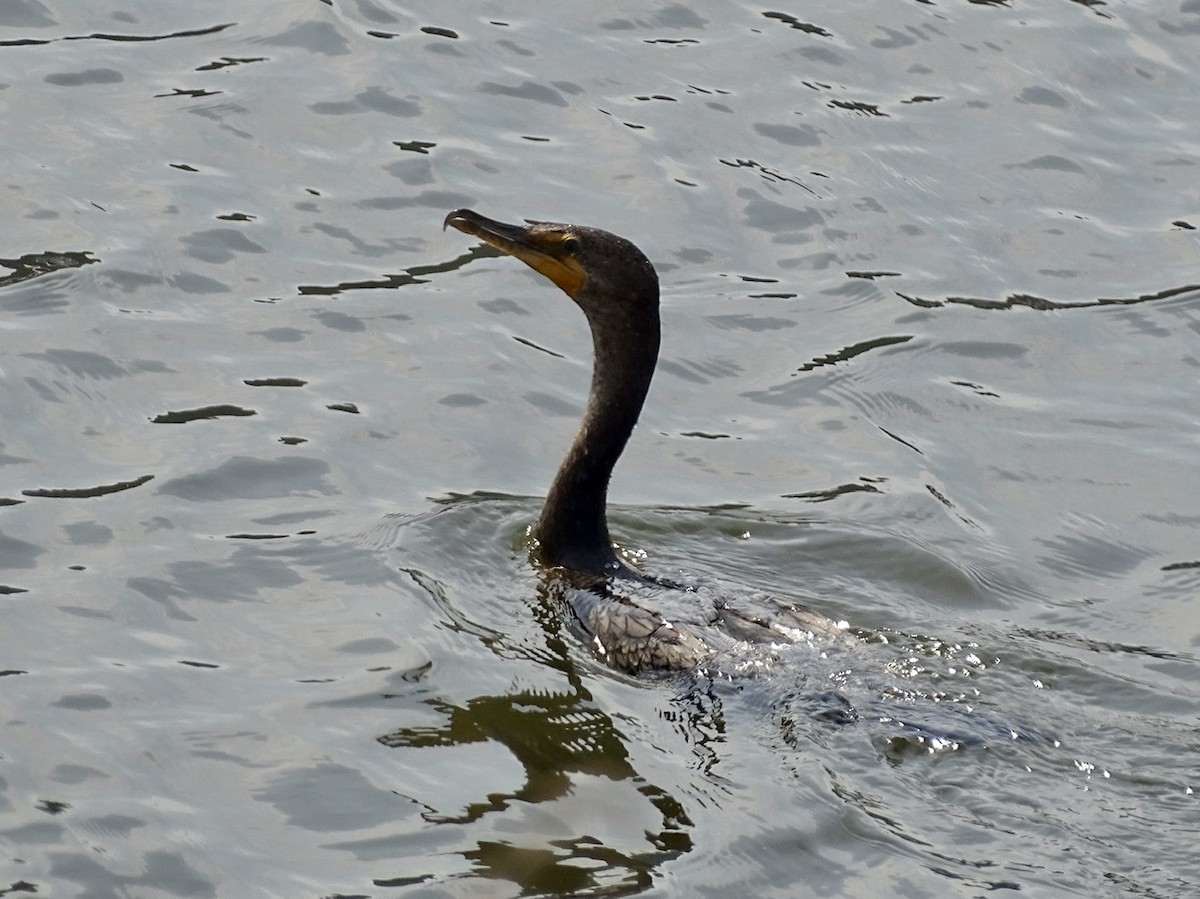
[616,286]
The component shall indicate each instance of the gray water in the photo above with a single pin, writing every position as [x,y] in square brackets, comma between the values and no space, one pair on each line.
[270,443]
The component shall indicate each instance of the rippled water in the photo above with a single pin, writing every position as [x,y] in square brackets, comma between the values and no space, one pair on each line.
[271,442]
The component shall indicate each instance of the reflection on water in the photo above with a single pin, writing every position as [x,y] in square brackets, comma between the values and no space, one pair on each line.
[31,265]
[271,445]
[558,739]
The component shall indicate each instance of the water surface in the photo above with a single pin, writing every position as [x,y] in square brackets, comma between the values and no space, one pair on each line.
[271,443]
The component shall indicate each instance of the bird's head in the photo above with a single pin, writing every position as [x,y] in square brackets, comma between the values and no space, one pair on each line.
[592,267]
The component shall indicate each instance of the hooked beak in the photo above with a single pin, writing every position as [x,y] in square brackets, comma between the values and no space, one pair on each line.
[539,246]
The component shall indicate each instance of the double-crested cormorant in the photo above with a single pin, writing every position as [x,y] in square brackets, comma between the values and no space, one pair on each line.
[615,285]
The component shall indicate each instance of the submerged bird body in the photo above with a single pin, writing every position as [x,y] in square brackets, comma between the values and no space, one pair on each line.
[616,286]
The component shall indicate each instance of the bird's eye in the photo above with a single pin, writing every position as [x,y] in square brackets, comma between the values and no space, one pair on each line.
[570,244]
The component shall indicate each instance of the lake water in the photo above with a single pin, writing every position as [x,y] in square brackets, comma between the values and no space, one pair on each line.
[271,441]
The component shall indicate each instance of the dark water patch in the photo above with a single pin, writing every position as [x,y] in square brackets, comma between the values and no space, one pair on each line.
[977,389]
[436,200]
[847,353]
[864,485]
[753,323]
[226,61]
[26,14]
[462,400]
[127,281]
[76,774]
[88,533]
[138,38]
[52,807]
[793,22]
[163,872]
[789,394]
[280,335]
[330,798]
[671,42]
[527,90]
[82,364]
[219,245]
[33,265]
[1028,301]
[1101,647]
[790,135]
[1092,555]
[87,76]
[787,223]
[1042,96]
[245,477]
[204,412]
[857,106]
[357,244]
[274,382]
[340,321]
[402,881]
[414,172]
[371,100]
[503,305]
[872,276]
[416,146]
[192,283]
[415,275]
[1052,163]
[35,834]
[242,577]
[301,517]
[701,371]
[896,40]
[1181,566]
[191,93]
[316,37]
[87,492]
[83,702]
[984,349]
[552,404]
[369,646]
[902,441]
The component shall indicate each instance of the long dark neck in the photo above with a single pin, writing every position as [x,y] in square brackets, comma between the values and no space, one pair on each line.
[573,528]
